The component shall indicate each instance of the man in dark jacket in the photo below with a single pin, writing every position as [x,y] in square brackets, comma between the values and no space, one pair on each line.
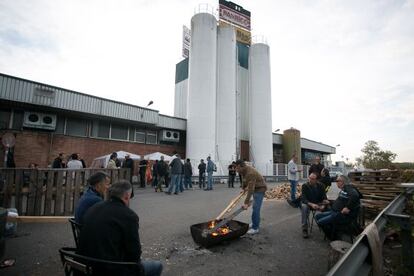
[343,209]
[58,162]
[161,173]
[176,170]
[142,170]
[98,185]
[188,172]
[316,167]
[202,174]
[232,174]
[129,164]
[111,233]
[313,198]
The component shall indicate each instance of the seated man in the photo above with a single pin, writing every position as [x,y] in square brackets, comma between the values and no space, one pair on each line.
[344,208]
[313,198]
[110,232]
[98,185]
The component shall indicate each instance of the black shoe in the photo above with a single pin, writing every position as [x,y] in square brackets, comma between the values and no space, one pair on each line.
[176,193]
[168,193]
[291,203]
[305,232]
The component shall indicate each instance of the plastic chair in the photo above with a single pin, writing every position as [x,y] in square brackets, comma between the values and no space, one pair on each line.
[75,264]
[76,228]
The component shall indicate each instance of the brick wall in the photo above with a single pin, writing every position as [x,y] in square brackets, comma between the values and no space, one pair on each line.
[41,148]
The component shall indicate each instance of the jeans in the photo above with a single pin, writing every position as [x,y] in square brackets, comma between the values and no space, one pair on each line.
[175,182]
[293,184]
[209,180]
[187,182]
[181,183]
[152,268]
[327,217]
[154,181]
[305,214]
[202,180]
[161,180]
[231,180]
[257,205]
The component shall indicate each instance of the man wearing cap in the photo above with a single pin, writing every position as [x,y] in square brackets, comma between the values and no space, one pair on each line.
[254,185]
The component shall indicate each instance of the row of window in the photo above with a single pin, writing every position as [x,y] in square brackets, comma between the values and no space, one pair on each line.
[85,128]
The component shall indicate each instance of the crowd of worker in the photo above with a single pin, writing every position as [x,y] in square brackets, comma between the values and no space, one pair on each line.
[110,228]
[330,216]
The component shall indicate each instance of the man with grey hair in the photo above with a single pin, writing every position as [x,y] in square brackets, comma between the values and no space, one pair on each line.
[344,208]
[110,232]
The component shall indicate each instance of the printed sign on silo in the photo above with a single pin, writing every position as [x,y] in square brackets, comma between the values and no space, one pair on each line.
[186,41]
[234,14]
[242,36]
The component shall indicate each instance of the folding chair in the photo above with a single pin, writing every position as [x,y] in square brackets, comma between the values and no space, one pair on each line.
[76,228]
[313,211]
[75,264]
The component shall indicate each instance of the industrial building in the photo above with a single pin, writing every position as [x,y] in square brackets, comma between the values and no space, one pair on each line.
[47,120]
[222,108]
[223,89]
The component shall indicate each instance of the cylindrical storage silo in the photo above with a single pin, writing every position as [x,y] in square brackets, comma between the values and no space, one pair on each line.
[291,145]
[201,107]
[226,97]
[260,99]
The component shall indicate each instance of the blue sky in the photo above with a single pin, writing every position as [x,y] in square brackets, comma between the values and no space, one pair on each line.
[342,71]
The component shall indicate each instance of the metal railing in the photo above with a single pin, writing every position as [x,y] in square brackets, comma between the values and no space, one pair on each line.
[356,261]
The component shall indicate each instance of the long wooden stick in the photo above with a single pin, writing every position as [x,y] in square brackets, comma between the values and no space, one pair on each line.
[231,205]
[31,219]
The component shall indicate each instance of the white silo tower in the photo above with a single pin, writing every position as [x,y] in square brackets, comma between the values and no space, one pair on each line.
[201,107]
[226,97]
[261,147]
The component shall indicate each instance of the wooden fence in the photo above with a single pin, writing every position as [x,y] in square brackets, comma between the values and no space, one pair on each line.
[47,192]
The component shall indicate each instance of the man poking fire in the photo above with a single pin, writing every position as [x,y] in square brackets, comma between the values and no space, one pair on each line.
[253,184]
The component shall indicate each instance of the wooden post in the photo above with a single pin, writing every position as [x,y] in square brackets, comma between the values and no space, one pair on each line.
[68,192]
[18,185]
[337,250]
[32,193]
[59,195]
[49,192]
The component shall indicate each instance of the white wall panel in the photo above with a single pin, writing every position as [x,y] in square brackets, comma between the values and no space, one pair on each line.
[201,107]
[261,149]
[226,97]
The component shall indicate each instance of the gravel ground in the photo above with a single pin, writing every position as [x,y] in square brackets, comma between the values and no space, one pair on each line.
[165,220]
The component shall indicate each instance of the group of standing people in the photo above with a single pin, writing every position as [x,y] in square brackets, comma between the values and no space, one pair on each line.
[74,161]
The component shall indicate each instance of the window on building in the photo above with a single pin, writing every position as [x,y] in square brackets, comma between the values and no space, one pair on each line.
[140,136]
[60,125]
[119,132]
[151,137]
[18,119]
[103,129]
[4,118]
[131,134]
[76,127]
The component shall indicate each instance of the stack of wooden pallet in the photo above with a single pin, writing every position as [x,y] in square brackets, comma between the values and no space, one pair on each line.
[378,187]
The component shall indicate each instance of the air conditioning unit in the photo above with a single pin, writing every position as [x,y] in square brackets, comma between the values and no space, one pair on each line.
[39,120]
[170,136]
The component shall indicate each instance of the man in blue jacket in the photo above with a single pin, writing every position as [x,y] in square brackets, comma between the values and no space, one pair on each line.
[98,185]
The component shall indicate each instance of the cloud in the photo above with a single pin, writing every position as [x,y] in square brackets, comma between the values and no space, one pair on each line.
[341,70]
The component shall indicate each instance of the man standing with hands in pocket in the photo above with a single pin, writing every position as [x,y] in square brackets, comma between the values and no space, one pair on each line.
[254,185]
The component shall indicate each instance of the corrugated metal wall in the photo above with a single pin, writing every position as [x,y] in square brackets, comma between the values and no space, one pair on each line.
[25,91]
[173,123]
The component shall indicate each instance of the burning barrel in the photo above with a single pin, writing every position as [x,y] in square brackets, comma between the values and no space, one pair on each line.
[232,230]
